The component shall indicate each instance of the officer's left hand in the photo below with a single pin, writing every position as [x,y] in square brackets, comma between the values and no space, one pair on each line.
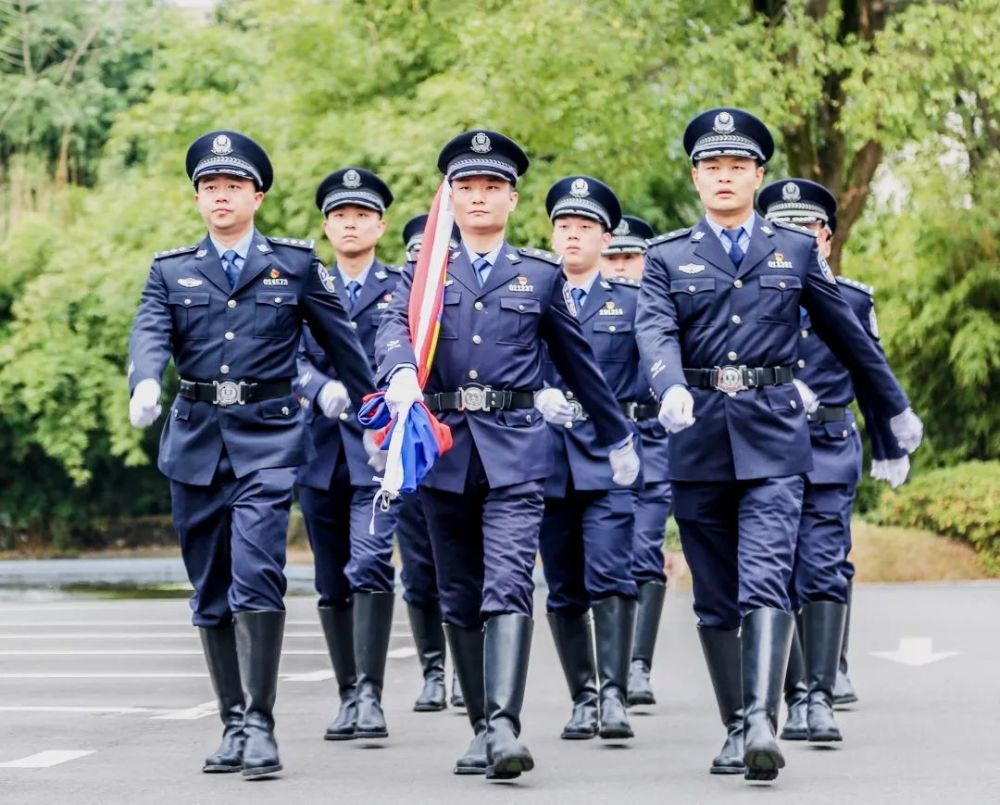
[809,399]
[553,406]
[376,455]
[908,430]
[144,407]
[896,470]
[333,399]
[624,464]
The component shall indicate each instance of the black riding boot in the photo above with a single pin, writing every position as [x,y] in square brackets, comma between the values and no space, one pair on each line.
[457,697]
[224,669]
[338,628]
[796,692]
[843,689]
[823,632]
[429,638]
[575,648]
[765,635]
[467,656]
[647,624]
[258,647]
[722,654]
[372,630]
[506,652]
[614,625]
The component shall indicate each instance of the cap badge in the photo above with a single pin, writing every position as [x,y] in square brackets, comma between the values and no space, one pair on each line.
[352,179]
[222,146]
[622,228]
[791,192]
[481,143]
[724,123]
[579,188]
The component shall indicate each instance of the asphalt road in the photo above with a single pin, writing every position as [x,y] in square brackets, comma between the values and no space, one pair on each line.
[107,701]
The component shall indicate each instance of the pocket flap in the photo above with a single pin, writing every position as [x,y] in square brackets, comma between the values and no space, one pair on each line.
[520,304]
[780,281]
[612,327]
[692,286]
[276,299]
[452,297]
[184,299]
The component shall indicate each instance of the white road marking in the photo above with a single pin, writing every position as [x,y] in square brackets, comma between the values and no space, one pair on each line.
[126,652]
[44,760]
[310,676]
[915,651]
[109,710]
[192,635]
[401,653]
[190,713]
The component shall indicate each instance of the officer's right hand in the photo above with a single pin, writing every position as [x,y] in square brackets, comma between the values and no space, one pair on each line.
[333,399]
[908,430]
[677,409]
[376,455]
[893,470]
[144,407]
[810,402]
[553,406]
[404,390]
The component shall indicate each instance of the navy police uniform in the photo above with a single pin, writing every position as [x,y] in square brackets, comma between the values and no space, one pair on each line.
[235,434]
[483,499]
[724,322]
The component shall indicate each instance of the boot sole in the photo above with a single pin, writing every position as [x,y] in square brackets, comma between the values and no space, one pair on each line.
[578,736]
[429,708]
[261,772]
[510,768]
[728,770]
[840,701]
[220,768]
[618,734]
[794,735]
[763,765]
[336,736]
[371,734]
[469,770]
[637,700]
[824,737]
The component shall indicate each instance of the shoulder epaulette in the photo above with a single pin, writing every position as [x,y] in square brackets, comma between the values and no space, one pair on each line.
[677,233]
[175,252]
[297,242]
[541,254]
[628,282]
[868,289]
[793,228]
[393,268]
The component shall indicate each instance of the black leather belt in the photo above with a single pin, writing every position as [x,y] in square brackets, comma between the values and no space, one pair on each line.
[731,379]
[479,398]
[632,410]
[232,392]
[828,413]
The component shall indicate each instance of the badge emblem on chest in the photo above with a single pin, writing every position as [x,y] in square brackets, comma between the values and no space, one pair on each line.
[610,309]
[384,303]
[188,282]
[691,268]
[274,278]
[779,261]
[521,285]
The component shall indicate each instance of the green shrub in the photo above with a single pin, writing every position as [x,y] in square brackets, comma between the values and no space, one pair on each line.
[961,501]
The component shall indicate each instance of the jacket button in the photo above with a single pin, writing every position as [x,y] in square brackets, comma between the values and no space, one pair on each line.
[793,403]
[231,303]
[527,417]
[520,307]
[844,434]
[805,333]
[354,325]
[568,425]
[732,356]
[802,364]
[230,336]
[479,306]
[187,301]
[343,416]
[692,288]
[782,284]
[473,374]
[736,319]
[569,395]
[477,339]
[738,283]
[224,369]
[277,300]
[612,329]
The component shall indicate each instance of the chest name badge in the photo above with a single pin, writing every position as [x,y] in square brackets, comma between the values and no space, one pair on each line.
[274,278]
[779,261]
[384,303]
[521,285]
[189,282]
[691,268]
[609,309]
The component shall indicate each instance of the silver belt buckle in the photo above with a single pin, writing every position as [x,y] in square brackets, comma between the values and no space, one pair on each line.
[474,398]
[228,392]
[579,415]
[729,379]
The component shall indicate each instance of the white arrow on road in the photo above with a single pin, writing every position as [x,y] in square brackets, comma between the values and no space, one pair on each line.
[44,760]
[915,651]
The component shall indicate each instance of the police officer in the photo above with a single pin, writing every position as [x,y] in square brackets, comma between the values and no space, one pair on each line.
[625,256]
[354,572]
[483,499]
[718,333]
[821,579]
[419,578]
[229,310]
[587,530]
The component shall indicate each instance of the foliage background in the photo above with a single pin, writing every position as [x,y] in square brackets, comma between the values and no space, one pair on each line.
[894,104]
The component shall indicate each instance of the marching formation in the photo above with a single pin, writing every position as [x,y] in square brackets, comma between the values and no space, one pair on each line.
[577,397]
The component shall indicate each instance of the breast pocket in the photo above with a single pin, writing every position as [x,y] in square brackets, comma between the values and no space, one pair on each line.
[612,341]
[518,321]
[450,315]
[693,299]
[190,315]
[779,299]
[276,315]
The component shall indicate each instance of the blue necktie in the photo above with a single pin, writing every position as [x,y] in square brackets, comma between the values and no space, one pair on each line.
[579,297]
[735,253]
[353,289]
[229,258]
[482,267]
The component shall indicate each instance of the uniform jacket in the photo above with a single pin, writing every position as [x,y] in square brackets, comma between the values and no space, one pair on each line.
[607,320]
[249,333]
[492,335]
[316,368]
[697,310]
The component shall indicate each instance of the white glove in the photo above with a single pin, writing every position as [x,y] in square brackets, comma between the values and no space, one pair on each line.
[677,409]
[880,470]
[376,455]
[810,402]
[552,405]
[896,471]
[144,407]
[333,399]
[624,464]
[403,390]
[908,430]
